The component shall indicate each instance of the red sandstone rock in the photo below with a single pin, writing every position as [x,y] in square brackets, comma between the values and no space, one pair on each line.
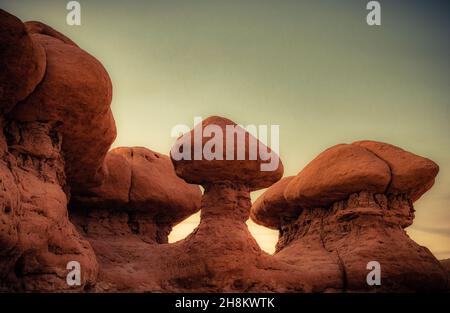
[36,238]
[140,180]
[363,224]
[271,208]
[246,171]
[221,255]
[344,238]
[34,27]
[129,216]
[306,253]
[22,62]
[411,174]
[350,209]
[335,174]
[75,92]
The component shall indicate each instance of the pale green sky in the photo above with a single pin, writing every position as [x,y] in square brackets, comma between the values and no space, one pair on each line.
[313,67]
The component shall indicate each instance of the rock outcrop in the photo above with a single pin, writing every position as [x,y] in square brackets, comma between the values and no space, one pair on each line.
[411,174]
[221,254]
[76,93]
[271,209]
[36,237]
[23,62]
[446,264]
[354,210]
[336,173]
[129,216]
[64,197]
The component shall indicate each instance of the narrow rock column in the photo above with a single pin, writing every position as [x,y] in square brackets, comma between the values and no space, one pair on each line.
[226,200]
[221,253]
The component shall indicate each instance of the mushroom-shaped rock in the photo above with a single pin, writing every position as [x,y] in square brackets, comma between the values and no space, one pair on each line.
[76,93]
[129,216]
[410,174]
[221,249]
[224,158]
[306,253]
[219,150]
[351,216]
[143,183]
[271,208]
[335,174]
[22,62]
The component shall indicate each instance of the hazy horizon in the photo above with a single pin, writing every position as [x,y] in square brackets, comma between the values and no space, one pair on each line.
[314,68]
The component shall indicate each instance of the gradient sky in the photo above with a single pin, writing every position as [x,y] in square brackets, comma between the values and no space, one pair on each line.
[313,67]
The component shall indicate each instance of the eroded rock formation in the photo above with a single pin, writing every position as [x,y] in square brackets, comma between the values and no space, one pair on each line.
[129,216]
[352,207]
[221,253]
[36,237]
[63,198]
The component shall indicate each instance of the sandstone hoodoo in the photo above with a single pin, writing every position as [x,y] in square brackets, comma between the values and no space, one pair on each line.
[355,220]
[343,211]
[231,155]
[34,27]
[37,240]
[130,214]
[75,94]
[306,253]
[22,64]
[222,254]
[271,209]
[142,184]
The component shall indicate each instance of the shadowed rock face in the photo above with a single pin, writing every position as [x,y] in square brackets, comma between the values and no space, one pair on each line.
[446,264]
[221,253]
[76,92]
[271,209]
[36,238]
[23,62]
[349,206]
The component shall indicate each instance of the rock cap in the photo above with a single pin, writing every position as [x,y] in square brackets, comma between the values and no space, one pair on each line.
[337,173]
[411,174]
[220,168]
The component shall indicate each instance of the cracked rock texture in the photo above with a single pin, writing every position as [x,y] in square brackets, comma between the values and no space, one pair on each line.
[64,197]
[346,236]
[36,237]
